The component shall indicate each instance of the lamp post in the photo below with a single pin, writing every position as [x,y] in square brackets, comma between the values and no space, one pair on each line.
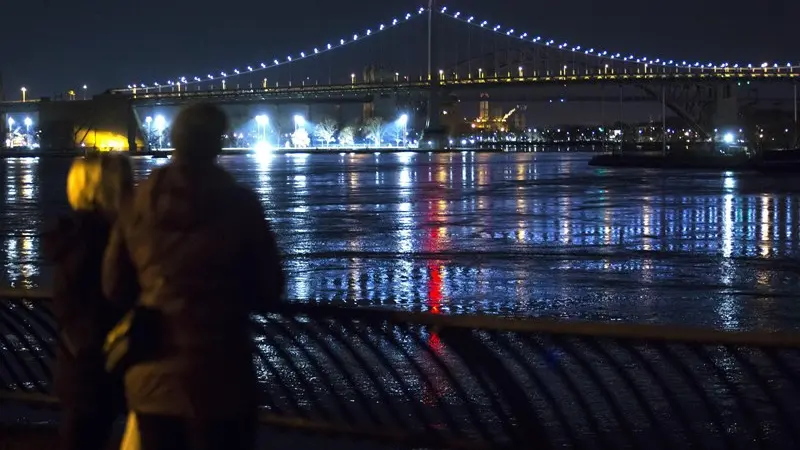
[24,93]
[149,122]
[161,124]
[403,122]
[299,122]
[262,121]
[84,91]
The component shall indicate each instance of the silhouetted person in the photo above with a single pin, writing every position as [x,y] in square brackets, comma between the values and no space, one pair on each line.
[206,259]
[91,399]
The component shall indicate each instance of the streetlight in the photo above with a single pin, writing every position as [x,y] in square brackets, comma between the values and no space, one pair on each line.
[299,121]
[262,121]
[149,122]
[10,123]
[24,92]
[403,122]
[352,78]
[160,124]
[521,73]
[84,91]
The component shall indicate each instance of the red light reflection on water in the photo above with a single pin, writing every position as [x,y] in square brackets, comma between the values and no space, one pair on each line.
[434,242]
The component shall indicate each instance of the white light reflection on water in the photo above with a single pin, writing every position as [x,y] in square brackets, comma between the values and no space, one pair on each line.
[540,235]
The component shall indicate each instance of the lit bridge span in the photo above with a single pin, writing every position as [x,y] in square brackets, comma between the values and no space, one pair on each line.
[476,57]
[406,59]
[493,55]
[358,90]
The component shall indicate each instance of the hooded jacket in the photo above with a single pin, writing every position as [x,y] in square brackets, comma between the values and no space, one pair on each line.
[200,248]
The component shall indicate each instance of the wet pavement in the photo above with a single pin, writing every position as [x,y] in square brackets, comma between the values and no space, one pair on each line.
[523,234]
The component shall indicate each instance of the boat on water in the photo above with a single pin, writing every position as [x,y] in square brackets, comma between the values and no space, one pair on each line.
[778,161]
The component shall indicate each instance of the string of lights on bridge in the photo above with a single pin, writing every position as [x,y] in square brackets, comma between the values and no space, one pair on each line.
[477,23]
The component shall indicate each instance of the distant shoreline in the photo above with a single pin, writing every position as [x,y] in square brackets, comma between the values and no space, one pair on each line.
[322,151]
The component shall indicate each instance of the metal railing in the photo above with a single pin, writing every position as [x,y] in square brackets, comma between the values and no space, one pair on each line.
[473,382]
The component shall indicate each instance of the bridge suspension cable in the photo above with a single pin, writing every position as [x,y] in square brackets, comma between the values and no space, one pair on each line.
[292,58]
[653,64]
[537,40]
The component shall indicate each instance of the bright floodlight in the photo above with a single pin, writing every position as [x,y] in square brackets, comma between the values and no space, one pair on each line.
[403,120]
[728,138]
[262,147]
[148,120]
[299,120]
[262,120]
[28,122]
[160,123]
[10,121]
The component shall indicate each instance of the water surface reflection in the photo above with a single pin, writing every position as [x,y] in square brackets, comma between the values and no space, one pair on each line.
[534,234]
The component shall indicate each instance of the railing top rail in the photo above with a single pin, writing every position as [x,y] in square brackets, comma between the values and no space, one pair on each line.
[555,327]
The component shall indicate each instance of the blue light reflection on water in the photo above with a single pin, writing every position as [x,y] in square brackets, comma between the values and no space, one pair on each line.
[534,234]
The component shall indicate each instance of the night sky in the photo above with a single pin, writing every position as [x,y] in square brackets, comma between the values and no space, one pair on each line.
[53,45]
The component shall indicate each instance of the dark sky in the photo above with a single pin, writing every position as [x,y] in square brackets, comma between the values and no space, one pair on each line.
[52,45]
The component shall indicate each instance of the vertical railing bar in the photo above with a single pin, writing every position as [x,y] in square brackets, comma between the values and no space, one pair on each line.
[790,375]
[30,316]
[398,378]
[479,376]
[369,370]
[576,392]
[667,391]
[371,413]
[454,381]
[751,370]
[33,338]
[692,382]
[635,389]
[9,324]
[616,409]
[757,431]
[323,373]
[13,373]
[505,342]
[292,365]
[424,377]
[281,384]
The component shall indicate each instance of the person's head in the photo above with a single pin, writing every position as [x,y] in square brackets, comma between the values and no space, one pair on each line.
[101,183]
[197,133]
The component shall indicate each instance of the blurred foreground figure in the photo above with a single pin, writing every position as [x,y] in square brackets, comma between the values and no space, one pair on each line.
[206,259]
[97,188]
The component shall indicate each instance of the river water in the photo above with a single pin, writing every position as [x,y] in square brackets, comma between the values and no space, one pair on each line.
[518,234]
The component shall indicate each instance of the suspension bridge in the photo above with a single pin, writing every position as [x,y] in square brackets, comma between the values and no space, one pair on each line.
[431,56]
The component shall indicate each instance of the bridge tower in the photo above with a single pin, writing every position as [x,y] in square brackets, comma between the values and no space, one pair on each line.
[434,135]
[483,113]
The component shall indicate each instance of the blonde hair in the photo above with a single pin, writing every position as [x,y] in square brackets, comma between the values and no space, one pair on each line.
[100,183]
